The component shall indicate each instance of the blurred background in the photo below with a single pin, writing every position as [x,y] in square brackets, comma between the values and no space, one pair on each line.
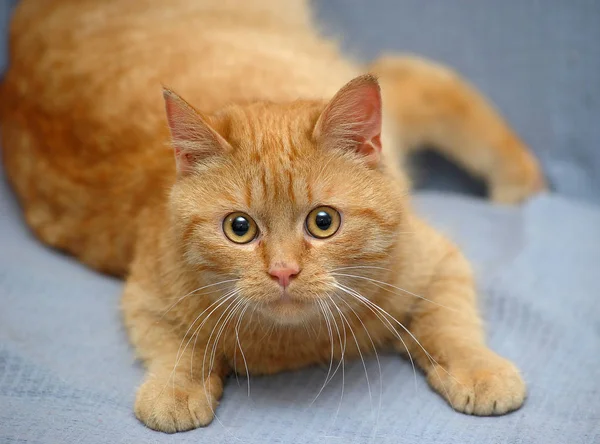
[538,61]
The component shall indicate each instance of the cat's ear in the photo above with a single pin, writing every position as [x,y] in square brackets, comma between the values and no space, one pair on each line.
[352,119]
[192,137]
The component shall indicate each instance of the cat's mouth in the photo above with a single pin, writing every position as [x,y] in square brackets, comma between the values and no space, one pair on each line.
[288,309]
[287,300]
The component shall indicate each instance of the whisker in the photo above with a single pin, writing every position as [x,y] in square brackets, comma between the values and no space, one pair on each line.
[343,354]
[343,317]
[237,337]
[220,301]
[387,323]
[305,327]
[204,376]
[196,333]
[330,332]
[361,266]
[375,281]
[364,366]
[432,360]
[237,379]
[193,292]
[340,363]
[230,315]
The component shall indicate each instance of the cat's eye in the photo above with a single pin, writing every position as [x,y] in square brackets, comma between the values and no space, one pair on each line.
[240,228]
[323,222]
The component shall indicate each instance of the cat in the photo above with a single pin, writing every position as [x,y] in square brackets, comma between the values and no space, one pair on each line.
[259,209]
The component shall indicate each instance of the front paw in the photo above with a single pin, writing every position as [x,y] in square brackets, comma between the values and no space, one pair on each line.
[170,409]
[482,385]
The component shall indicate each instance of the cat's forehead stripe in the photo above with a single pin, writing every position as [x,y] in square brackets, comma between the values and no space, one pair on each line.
[248,196]
[263,178]
[279,147]
[291,187]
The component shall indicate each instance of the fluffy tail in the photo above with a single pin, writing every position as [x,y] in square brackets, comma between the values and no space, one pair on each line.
[434,107]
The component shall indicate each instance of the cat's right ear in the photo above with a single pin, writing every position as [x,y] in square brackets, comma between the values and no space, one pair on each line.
[352,120]
[192,137]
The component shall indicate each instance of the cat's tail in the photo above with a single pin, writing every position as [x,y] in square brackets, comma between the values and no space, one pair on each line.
[434,107]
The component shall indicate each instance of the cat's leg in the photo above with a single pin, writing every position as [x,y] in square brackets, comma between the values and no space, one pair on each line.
[434,107]
[175,395]
[451,348]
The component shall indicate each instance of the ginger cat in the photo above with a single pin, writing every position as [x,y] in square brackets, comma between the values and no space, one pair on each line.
[282,235]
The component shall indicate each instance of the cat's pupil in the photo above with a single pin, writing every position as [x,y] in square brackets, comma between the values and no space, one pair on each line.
[323,220]
[240,226]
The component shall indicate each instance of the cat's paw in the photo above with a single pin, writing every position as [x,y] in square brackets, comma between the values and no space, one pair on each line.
[488,385]
[166,409]
[523,181]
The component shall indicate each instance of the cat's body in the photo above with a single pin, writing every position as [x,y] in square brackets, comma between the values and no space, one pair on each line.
[85,145]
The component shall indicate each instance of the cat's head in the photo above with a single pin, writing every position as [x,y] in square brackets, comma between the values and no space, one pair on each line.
[282,201]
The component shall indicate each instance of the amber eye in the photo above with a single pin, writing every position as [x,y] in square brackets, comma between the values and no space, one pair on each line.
[240,228]
[323,222]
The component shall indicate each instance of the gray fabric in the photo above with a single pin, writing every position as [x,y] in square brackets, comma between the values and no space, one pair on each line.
[67,374]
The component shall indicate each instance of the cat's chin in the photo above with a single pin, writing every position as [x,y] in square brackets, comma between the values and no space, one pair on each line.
[289,312]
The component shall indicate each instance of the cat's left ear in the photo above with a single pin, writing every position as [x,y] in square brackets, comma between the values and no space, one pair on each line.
[352,119]
[193,139]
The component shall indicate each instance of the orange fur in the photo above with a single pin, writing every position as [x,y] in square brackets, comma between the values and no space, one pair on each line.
[85,146]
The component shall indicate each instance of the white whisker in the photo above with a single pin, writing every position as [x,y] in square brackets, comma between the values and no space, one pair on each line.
[375,282]
[343,355]
[238,304]
[193,293]
[365,368]
[387,323]
[237,337]
[344,319]
[330,332]
[204,376]
[220,301]
[431,359]
[340,363]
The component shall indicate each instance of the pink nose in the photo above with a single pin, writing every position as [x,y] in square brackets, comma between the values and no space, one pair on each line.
[284,274]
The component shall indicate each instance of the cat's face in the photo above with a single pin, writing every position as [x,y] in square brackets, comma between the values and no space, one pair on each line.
[282,214]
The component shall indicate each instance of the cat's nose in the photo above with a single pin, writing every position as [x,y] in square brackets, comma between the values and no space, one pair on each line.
[284,273]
